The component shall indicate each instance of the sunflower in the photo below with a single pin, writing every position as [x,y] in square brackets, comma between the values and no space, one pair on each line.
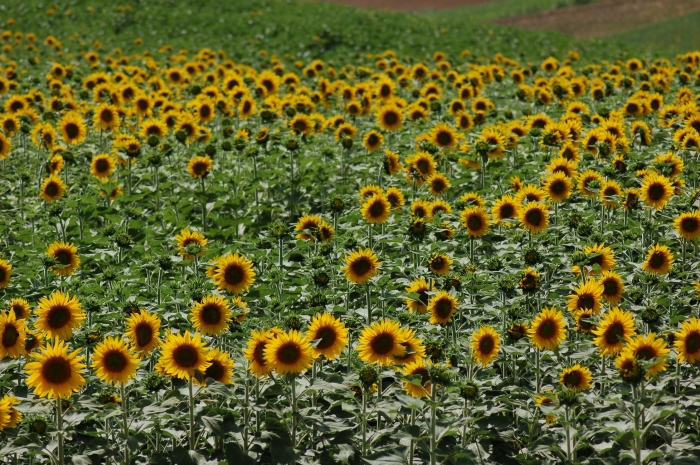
[182,355]
[373,140]
[656,190]
[687,343]
[421,287]
[66,256]
[687,225]
[5,273]
[616,327]
[529,281]
[199,167]
[476,221]
[599,255]
[485,344]
[583,321]
[505,209]
[392,165]
[659,260]
[417,368]
[55,165]
[13,416]
[289,353]
[143,329]
[381,343]
[586,296]
[533,217]
[390,118]
[444,135]
[648,348]
[12,335]
[301,124]
[53,188]
[376,210]
[330,336]
[422,165]
[415,350]
[44,135]
[106,117]
[530,193]
[610,193]
[442,307]
[420,208]
[153,127]
[56,373]
[558,186]
[440,264]
[395,197]
[187,237]
[220,368]
[5,146]
[211,315]
[255,353]
[114,362]
[548,329]
[72,128]
[21,308]
[102,166]
[613,287]
[438,184]
[439,206]
[234,273]
[361,266]
[576,377]
[584,181]
[58,315]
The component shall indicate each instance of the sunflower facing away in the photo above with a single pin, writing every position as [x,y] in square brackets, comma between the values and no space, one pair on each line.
[187,237]
[442,307]
[648,348]
[143,329]
[687,343]
[615,328]
[548,329]
[182,355]
[361,266]
[58,315]
[381,343]
[576,377]
[417,368]
[114,362]
[56,373]
[12,335]
[234,273]
[328,336]
[211,315]
[66,256]
[485,344]
[255,353]
[220,368]
[659,260]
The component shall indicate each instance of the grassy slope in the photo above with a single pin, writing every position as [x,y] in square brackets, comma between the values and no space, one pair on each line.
[302,30]
[672,36]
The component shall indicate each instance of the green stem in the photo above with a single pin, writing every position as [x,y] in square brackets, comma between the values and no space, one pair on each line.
[369,304]
[125,421]
[193,445]
[363,425]
[433,418]
[567,430]
[538,376]
[59,427]
[294,411]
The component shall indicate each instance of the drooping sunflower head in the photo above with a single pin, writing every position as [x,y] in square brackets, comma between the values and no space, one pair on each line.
[183,354]
[395,197]
[307,226]
[548,329]
[301,124]
[392,164]
[143,330]
[55,372]
[576,377]
[687,343]
[584,321]
[289,353]
[586,180]
[442,307]
[58,315]
[328,336]
[476,221]
[530,193]
[485,344]
[659,260]
[615,328]
[211,315]
[114,362]
[66,257]
[361,266]
[529,281]
[381,343]
[234,274]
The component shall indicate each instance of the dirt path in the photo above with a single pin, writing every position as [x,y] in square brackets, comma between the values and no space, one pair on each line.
[603,18]
[408,5]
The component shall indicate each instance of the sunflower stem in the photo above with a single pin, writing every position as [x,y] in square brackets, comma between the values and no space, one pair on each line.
[293,382]
[567,429]
[538,375]
[412,445]
[125,421]
[637,445]
[128,176]
[676,422]
[433,418]
[369,304]
[602,376]
[191,406]
[369,234]
[204,204]
[160,281]
[471,250]
[363,422]
[59,427]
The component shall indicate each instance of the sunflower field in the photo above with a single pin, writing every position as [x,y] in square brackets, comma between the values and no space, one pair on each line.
[276,259]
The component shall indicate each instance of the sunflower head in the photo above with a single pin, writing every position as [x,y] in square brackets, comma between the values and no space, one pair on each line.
[485,344]
[381,343]
[183,354]
[327,335]
[576,377]
[289,353]
[114,362]
[55,372]
[361,266]
[548,329]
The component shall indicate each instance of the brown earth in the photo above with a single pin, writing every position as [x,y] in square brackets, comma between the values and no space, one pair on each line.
[408,5]
[604,17]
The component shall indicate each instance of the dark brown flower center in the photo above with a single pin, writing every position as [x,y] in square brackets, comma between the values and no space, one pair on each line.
[233,275]
[547,329]
[443,308]
[58,317]
[656,191]
[185,356]
[382,344]
[573,379]
[690,225]
[289,353]
[486,345]
[115,361]
[474,222]
[63,257]
[361,266]
[377,209]
[10,336]
[586,301]
[259,353]
[614,332]
[52,189]
[391,118]
[443,138]
[692,342]
[327,336]
[211,314]
[144,334]
[645,353]
[507,211]
[56,370]
[216,371]
[72,130]
[657,260]
[107,116]
[534,217]
[610,287]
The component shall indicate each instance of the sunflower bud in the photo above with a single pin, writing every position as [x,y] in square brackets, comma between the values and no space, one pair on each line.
[347,142]
[368,376]
[469,390]
[37,424]
[155,382]
[568,397]
[181,136]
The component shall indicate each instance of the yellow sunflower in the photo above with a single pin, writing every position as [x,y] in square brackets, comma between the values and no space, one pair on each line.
[505,209]
[558,187]
[301,124]
[392,164]
[211,315]
[438,184]
[687,343]
[659,260]
[5,146]
[548,329]
[12,335]
[576,377]
[255,353]
[327,335]
[417,368]
[395,197]
[114,362]
[376,209]
[648,348]
[21,308]
[56,373]
[485,344]
[476,221]
[442,307]
[610,193]
[72,127]
[444,135]
[289,353]
[390,118]
[58,315]
[440,264]
[106,117]
[656,190]
[534,217]
[381,343]
[613,287]
[187,237]
[421,287]
[220,368]
[412,344]
[66,256]
[372,141]
[615,328]
[361,266]
[182,355]
[53,188]
[143,330]
[310,223]
[687,225]
[5,273]
[588,296]
[234,273]
[199,167]
[102,166]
